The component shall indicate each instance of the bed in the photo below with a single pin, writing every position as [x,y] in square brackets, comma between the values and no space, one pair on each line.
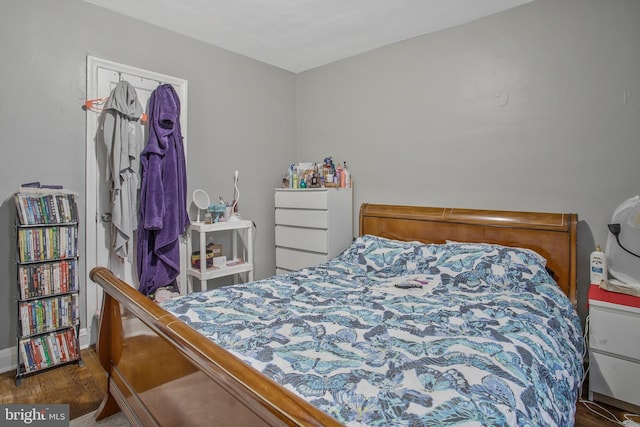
[433,316]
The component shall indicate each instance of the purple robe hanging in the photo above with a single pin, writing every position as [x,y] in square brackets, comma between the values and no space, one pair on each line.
[163,203]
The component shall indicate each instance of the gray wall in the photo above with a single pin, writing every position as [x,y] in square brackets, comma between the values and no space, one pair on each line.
[241,114]
[536,108]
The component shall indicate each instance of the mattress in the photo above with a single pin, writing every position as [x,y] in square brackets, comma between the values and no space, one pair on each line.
[404,333]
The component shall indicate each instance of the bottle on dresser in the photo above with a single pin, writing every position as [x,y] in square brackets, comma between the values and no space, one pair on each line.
[598,266]
[347,176]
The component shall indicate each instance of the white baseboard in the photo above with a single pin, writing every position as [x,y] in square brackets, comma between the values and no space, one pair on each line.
[9,357]
[84,339]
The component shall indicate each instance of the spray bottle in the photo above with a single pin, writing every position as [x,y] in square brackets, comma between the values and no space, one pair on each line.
[291,176]
[347,176]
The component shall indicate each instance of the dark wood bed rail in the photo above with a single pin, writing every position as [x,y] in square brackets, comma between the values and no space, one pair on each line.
[553,235]
[151,358]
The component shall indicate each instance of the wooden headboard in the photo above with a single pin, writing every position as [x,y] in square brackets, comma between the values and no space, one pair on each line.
[552,235]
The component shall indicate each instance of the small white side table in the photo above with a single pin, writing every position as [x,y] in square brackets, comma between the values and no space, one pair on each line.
[614,348]
[243,227]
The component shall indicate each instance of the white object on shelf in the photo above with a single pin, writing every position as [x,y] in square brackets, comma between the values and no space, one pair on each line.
[235,216]
[614,354]
[201,200]
[219,261]
[614,285]
[313,225]
[203,273]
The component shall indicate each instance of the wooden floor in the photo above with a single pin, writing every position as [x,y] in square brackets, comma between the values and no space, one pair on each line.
[83,388]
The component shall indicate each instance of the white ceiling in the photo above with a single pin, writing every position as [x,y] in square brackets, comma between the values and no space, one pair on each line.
[298,35]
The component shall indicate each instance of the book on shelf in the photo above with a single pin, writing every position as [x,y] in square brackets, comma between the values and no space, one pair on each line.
[37,280]
[40,316]
[38,244]
[36,348]
[45,206]
[47,350]
[26,357]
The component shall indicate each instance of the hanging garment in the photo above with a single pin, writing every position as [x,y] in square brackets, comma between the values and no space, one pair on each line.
[163,202]
[122,135]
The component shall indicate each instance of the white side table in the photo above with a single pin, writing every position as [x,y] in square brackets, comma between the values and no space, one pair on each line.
[243,227]
[614,348]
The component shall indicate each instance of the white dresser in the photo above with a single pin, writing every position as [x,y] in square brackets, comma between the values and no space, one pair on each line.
[614,348]
[313,225]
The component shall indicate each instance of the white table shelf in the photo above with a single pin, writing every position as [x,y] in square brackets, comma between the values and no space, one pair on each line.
[243,228]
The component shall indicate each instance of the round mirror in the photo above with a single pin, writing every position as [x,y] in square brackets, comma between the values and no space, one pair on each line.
[201,200]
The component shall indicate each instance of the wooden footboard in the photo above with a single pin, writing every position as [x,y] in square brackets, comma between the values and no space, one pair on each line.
[162,372]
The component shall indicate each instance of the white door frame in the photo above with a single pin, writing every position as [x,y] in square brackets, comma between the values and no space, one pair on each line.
[93,294]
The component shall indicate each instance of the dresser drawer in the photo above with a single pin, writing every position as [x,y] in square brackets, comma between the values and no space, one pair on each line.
[614,377]
[302,218]
[614,331]
[303,199]
[307,239]
[295,260]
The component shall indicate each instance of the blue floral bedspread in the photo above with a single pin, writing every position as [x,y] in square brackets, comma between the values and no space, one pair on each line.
[406,334]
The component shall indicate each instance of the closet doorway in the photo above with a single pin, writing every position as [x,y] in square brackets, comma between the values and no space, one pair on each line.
[102,77]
